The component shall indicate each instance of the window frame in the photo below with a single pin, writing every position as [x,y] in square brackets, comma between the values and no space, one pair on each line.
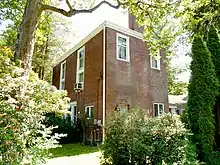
[62,80]
[157,60]
[80,70]
[127,47]
[158,104]
[72,116]
[90,112]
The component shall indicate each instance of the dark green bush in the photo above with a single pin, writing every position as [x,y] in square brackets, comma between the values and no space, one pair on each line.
[64,126]
[202,90]
[135,138]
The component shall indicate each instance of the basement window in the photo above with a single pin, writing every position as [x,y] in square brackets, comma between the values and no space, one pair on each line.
[89,112]
[158,109]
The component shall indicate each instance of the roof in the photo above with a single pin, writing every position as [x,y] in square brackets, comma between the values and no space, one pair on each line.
[124,30]
[177,99]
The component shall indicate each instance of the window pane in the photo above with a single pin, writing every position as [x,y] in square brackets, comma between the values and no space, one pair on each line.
[156,110]
[62,85]
[75,111]
[81,63]
[161,108]
[81,77]
[122,52]
[91,112]
[63,68]
[87,112]
[154,62]
[81,53]
[122,41]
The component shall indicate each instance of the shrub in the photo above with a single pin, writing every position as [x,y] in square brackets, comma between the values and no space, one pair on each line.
[64,126]
[24,139]
[137,138]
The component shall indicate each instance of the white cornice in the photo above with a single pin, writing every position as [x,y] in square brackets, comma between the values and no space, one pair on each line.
[95,32]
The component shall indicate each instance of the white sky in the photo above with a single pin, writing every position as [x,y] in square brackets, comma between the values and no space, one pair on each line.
[83,24]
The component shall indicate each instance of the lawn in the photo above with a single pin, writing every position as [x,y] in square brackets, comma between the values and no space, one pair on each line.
[72,149]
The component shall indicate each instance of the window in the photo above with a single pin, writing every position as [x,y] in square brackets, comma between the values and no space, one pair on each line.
[62,75]
[122,47]
[72,116]
[121,108]
[89,112]
[80,65]
[158,109]
[73,110]
[155,62]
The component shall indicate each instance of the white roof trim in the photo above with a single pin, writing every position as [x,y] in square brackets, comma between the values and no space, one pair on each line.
[95,32]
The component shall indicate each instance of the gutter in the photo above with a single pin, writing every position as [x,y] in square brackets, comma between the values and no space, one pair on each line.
[103,87]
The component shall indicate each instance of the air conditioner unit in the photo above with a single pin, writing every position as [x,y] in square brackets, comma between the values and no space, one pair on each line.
[78,86]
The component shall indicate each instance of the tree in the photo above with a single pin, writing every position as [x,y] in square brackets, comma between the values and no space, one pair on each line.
[201,98]
[213,45]
[162,21]
[33,10]
[46,37]
[24,137]
[175,87]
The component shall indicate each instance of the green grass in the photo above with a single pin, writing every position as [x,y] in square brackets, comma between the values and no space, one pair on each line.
[72,149]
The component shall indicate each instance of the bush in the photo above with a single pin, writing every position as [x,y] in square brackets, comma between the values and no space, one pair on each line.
[64,126]
[137,138]
[24,139]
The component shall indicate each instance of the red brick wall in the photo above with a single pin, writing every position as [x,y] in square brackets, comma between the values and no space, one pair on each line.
[135,82]
[92,93]
[93,73]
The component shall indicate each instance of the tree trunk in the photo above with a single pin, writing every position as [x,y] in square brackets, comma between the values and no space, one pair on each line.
[25,41]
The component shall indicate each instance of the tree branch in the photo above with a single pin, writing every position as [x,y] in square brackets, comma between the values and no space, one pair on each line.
[58,10]
[97,6]
[72,11]
[69,5]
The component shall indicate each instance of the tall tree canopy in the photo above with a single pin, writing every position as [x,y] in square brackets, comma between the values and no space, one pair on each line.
[213,44]
[175,87]
[202,92]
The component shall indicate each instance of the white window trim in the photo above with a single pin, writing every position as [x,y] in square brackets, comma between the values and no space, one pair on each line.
[62,79]
[158,107]
[90,114]
[79,71]
[127,47]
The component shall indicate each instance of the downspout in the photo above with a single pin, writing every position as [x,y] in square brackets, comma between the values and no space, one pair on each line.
[103,88]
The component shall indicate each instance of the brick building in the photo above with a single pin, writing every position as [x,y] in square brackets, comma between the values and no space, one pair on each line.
[109,70]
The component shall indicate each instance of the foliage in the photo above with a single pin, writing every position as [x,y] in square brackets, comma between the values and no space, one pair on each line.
[72,149]
[213,45]
[24,139]
[64,126]
[138,138]
[202,92]
[175,87]
[164,20]
[46,39]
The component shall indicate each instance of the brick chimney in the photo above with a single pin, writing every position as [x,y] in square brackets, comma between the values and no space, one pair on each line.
[133,24]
